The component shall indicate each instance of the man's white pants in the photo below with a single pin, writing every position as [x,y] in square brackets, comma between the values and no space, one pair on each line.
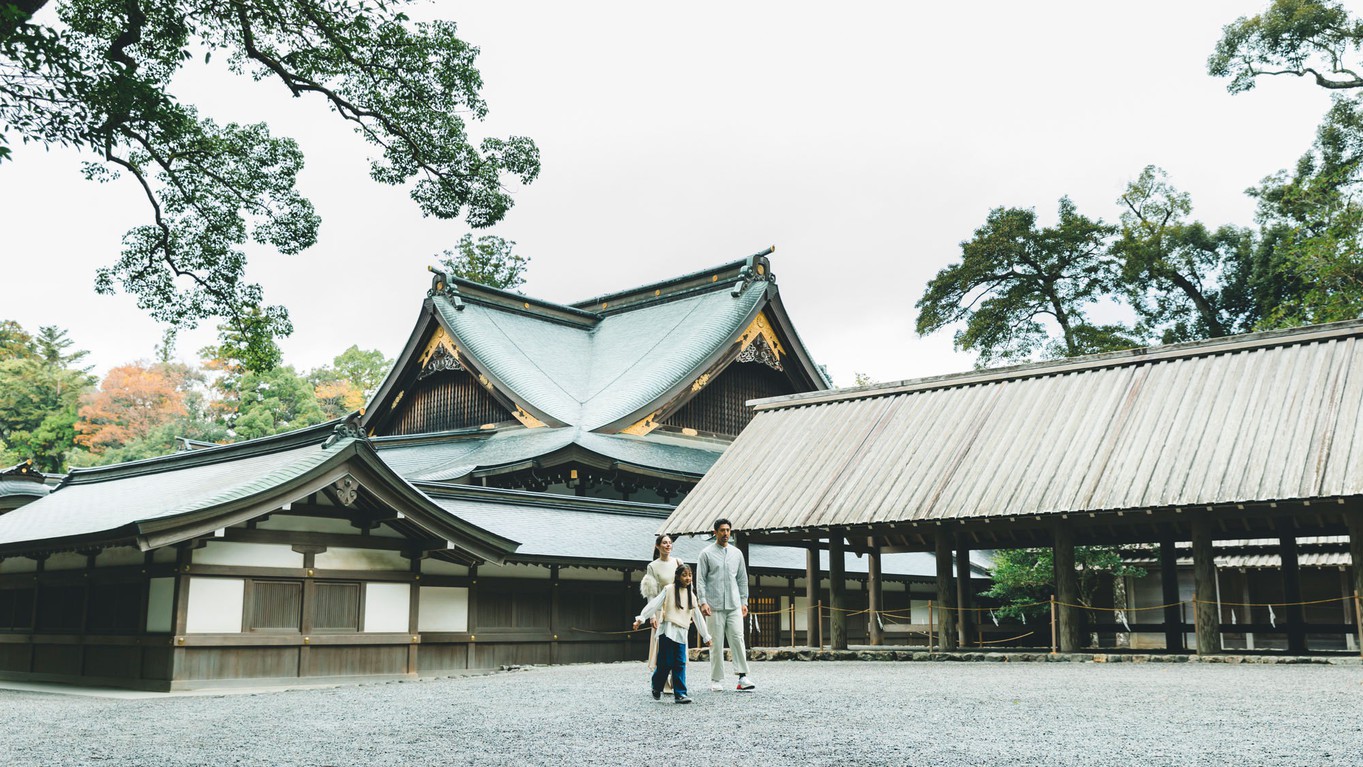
[722,624]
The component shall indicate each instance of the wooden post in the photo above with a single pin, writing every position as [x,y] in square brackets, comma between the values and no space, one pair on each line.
[946,590]
[1358,625]
[792,624]
[1173,608]
[1291,571]
[1066,589]
[820,624]
[965,623]
[837,585]
[1353,517]
[1052,624]
[1204,588]
[875,595]
[553,614]
[932,637]
[812,596]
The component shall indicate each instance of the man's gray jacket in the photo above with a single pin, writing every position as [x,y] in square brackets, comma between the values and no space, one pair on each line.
[722,577]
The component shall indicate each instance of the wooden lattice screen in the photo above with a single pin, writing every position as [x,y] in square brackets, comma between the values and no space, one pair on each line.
[452,400]
[719,408]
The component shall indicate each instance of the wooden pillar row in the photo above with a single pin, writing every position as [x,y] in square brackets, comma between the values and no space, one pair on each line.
[946,591]
[1204,589]
[1067,589]
[837,589]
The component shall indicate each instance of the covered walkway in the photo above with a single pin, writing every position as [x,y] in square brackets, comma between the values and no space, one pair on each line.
[1250,437]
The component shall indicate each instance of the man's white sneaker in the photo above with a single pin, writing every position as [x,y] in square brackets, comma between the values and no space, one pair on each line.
[716,687]
[745,684]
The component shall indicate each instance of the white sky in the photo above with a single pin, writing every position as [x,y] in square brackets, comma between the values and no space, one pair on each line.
[865,142]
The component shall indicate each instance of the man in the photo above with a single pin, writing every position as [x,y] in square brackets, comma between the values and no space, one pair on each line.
[722,587]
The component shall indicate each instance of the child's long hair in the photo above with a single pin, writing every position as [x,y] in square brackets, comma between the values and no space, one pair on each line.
[676,583]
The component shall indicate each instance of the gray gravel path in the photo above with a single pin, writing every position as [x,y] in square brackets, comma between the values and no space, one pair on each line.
[937,714]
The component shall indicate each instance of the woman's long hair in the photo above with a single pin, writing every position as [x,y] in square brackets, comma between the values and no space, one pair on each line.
[676,583]
[658,545]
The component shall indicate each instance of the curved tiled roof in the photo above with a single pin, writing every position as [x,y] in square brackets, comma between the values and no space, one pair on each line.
[594,376]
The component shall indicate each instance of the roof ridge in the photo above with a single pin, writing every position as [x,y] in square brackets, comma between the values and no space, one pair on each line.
[541,500]
[701,281]
[316,434]
[1157,353]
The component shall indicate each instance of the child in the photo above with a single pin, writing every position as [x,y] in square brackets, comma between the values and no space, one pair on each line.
[678,606]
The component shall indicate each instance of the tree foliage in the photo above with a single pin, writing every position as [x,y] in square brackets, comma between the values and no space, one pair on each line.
[40,390]
[353,377]
[97,75]
[1305,38]
[1016,281]
[1023,580]
[490,260]
[131,402]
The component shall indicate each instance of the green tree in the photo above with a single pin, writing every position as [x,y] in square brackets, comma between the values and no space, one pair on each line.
[348,383]
[15,341]
[489,261]
[39,397]
[1313,218]
[1023,290]
[98,76]
[1304,38]
[1023,580]
[274,401]
[1184,281]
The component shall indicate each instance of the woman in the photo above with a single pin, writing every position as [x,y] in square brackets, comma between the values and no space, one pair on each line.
[677,607]
[657,576]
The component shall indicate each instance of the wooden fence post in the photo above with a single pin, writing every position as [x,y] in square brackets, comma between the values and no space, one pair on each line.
[1052,624]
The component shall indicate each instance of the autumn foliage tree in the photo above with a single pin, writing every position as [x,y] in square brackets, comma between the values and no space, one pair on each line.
[131,402]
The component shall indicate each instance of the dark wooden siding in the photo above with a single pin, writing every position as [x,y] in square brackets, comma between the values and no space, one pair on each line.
[451,400]
[719,408]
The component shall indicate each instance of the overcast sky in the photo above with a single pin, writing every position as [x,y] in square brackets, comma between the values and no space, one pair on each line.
[864,142]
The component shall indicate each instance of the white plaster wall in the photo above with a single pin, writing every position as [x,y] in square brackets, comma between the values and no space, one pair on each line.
[443,608]
[576,574]
[215,606]
[281,521]
[120,556]
[66,560]
[361,559]
[247,555]
[521,571]
[18,565]
[918,612]
[801,614]
[386,606]
[160,604]
[164,555]
[441,567]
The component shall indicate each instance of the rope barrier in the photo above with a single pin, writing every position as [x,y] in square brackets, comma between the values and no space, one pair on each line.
[1009,639]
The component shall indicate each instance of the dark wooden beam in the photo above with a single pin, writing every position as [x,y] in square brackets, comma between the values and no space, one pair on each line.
[1291,572]
[875,593]
[1173,612]
[837,586]
[1067,589]
[1204,587]
[945,617]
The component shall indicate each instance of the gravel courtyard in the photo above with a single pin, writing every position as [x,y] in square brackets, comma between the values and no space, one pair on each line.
[803,713]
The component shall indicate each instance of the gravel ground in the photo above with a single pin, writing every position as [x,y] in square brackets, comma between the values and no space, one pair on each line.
[850,713]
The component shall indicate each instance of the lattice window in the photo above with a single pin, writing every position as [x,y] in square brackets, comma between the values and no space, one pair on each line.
[719,407]
[444,401]
[338,607]
[275,606]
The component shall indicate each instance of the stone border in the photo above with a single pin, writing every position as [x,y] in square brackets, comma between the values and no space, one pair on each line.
[1040,656]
